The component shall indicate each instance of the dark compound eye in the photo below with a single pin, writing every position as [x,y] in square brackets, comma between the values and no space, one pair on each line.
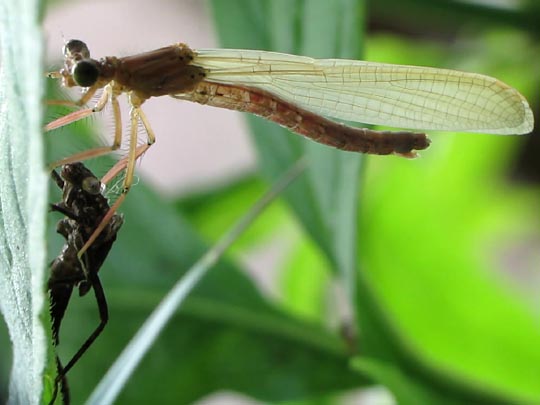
[91,185]
[74,46]
[85,73]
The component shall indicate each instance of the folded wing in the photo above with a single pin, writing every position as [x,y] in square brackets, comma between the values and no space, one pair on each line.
[375,93]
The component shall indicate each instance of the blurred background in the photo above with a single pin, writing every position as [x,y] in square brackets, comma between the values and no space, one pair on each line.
[374,280]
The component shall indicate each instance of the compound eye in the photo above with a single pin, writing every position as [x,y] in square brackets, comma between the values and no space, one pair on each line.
[74,46]
[91,185]
[85,73]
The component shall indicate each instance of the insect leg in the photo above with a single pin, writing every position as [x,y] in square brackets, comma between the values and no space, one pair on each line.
[79,114]
[79,103]
[149,131]
[103,316]
[57,179]
[135,114]
[103,150]
[122,163]
[139,151]
[62,383]
[133,154]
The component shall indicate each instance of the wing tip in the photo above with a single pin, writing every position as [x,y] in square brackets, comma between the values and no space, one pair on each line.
[520,123]
[527,125]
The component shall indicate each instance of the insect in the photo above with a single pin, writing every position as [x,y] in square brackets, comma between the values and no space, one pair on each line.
[84,207]
[295,92]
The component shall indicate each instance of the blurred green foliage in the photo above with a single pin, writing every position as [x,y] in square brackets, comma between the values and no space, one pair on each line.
[427,252]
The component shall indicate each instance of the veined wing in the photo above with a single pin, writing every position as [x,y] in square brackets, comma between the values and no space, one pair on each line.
[376,93]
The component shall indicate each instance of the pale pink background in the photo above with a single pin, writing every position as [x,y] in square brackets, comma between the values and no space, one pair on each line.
[196,144]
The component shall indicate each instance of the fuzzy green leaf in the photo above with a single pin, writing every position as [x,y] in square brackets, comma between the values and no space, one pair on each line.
[23,192]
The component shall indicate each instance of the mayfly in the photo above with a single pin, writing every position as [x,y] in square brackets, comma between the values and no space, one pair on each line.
[296,92]
[84,207]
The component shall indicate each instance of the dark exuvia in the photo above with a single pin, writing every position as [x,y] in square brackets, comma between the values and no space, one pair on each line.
[84,206]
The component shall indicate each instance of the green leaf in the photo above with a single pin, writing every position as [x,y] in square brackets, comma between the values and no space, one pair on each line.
[403,387]
[212,212]
[434,232]
[23,192]
[305,279]
[325,200]
[227,336]
[117,376]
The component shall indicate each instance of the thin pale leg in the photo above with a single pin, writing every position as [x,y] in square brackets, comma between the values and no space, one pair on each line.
[103,150]
[122,164]
[75,115]
[130,160]
[79,103]
[69,118]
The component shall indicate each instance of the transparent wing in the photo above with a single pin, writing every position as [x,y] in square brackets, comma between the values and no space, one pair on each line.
[376,93]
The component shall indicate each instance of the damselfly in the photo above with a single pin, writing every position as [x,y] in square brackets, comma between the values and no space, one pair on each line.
[295,92]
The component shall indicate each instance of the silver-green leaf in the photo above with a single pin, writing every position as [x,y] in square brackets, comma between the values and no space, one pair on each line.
[23,193]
